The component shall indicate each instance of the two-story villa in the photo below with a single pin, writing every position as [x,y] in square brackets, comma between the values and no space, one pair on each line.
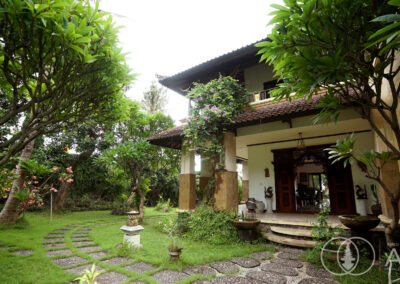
[278,145]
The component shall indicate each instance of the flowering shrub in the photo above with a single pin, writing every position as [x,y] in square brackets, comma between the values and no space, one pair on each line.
[38,183]
[216,104]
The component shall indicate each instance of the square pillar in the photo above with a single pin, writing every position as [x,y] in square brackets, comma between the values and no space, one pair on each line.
[226,181]
[187,182]
[205,175]
[245,181]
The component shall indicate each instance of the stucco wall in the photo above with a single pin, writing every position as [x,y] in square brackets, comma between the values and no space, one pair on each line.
[261,157]
[256,75]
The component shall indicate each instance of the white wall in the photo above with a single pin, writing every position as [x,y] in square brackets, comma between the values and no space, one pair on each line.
[256,75]
[261,157]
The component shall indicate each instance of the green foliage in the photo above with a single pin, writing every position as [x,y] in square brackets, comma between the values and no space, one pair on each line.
[166,224]
[60,64]
[215,227]
[216,104]
[126,249]
[89,276]
[154,99]
[163,205]
[322,231]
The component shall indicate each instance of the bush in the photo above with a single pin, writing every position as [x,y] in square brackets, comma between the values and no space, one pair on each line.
[166,224]
[163,206]
[215,227]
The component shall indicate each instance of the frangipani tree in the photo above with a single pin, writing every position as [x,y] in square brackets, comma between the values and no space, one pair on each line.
[60,64]
[345,50]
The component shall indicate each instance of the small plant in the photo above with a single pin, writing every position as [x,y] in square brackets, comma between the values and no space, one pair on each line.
[321,230]
[125,249]
[163,206]
[89,276]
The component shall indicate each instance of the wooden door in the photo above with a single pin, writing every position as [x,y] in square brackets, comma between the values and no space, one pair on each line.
[284,181]
[341,193]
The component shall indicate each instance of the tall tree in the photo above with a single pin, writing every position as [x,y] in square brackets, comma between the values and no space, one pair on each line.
[154,99]
[331,47]
[59,65]
[131,153]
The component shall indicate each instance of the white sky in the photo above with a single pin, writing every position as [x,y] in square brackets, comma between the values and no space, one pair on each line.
[169,36]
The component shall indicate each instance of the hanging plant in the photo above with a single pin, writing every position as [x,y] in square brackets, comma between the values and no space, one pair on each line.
[216,104]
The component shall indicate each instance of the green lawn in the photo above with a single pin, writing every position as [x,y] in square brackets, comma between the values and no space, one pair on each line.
[38,268]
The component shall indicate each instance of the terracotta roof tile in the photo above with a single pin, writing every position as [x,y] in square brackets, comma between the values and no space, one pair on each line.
[271,112]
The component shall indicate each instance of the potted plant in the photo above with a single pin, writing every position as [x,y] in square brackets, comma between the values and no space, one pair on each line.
[174,248]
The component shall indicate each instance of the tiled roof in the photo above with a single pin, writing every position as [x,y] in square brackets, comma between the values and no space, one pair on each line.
[275,111]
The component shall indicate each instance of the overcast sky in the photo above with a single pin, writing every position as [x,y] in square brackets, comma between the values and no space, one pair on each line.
[169,36]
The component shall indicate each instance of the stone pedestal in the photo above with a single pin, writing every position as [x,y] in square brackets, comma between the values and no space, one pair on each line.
[226,191]
[269,205]
[187,191]
[132,235]
[362,205]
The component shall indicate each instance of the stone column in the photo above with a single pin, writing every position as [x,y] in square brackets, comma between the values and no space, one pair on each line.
[245,181]
[187,181]
[226,181]
[205,175]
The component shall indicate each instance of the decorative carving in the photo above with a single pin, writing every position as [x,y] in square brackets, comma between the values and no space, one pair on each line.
[268,192]
[361,193]
[132,221]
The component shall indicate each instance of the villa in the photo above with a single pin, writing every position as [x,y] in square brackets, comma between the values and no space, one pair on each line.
[281,151]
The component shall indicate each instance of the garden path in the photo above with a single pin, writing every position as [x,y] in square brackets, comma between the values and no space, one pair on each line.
[284,266]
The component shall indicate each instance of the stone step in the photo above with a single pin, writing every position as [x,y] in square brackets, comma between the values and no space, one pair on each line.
[297,224]
[299,232]
[289,241]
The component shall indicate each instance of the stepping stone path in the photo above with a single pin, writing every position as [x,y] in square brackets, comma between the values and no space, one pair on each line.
[24,252]
[282,267]
[52,253]
[111,277]
[169,276]
[225,267]
[140,267]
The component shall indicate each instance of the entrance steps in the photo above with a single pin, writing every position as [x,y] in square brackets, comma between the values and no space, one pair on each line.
[296,234]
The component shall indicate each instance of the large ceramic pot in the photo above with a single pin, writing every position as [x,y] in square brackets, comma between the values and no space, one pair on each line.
[359,223]
[249,224]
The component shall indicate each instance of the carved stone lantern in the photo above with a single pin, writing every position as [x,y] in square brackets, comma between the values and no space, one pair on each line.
[132,230]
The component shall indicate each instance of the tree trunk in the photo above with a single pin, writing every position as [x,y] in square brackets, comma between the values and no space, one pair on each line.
[141,204]
[392,231]
[62,193]
[9,214]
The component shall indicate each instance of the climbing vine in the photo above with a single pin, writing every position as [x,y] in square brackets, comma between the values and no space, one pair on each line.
[215,106]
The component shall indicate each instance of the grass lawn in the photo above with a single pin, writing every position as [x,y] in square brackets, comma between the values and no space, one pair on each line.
[38,268]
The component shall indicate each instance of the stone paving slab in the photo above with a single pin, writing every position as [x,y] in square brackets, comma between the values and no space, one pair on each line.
[236,280]
[317,281]
[140,267]
[49,240]
[111,277]
[291,250]
[245,262]
[290,256]
[71,227]
[138,282]
[117,260]
[200,282]
[287,262]
[52,253]
[316,272]
[80,239]
[7,247]
[83,243]
[89,249]
[279,269]
[22,252]
[55,235]
[261,255]
[79,236]
[61,230]
[225,267]
[266,277]
[54,245]
[99,254]
[203,270]
[169,276]
[72,260]
[79,270]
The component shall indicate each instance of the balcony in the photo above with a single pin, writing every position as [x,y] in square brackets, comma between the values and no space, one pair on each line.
[260,95]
